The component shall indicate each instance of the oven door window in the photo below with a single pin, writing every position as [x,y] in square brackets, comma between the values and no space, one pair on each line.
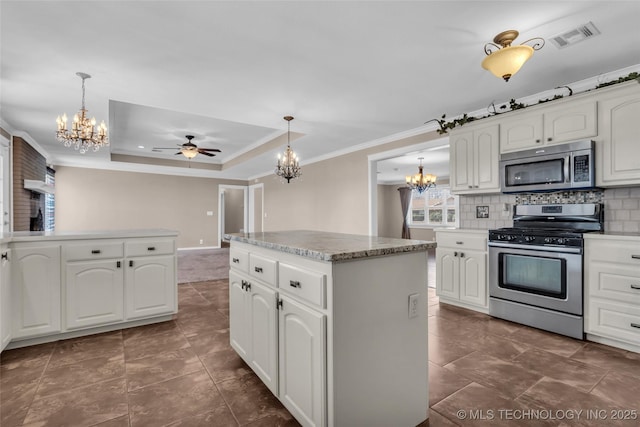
[543,172]
[534,275]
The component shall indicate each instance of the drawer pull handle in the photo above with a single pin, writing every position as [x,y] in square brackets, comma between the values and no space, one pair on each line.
[635,287]
[635,256]
[455,254]
[461,254]
[130,263]
[96,251]
[459,243]
[151,248]
[257,269]
[247,287]
[118,264]
[279,304]
[236,261]
[244,283]
[294,284]
[5,256]
[635,325]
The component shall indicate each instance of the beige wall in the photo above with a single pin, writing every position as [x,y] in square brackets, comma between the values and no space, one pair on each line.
[389,211]
[94,199]
[331,195]
[233,210]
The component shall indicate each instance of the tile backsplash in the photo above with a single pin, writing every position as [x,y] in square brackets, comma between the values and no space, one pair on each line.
[621,207]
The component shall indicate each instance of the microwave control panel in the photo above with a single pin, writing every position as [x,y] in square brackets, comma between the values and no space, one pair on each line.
[581,172]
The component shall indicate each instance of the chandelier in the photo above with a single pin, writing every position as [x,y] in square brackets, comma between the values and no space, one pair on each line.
[288,166]
[507,60]
[82,134]
[419,181]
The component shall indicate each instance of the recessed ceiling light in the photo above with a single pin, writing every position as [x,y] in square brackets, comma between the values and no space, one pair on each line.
[140,146]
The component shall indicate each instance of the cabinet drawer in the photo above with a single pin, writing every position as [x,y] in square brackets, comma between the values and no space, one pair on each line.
[239,259]
[263,268]
[306,284]
[462,241]
[619,251]
[149,247]
[614,281]
[97,250]
[615,320]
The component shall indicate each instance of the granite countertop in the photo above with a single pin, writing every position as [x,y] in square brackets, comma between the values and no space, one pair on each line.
[330,247]
[35,236]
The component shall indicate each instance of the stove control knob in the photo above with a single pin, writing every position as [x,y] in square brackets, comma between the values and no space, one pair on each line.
[561,241]
[548,240]
[529,238]
[512,238]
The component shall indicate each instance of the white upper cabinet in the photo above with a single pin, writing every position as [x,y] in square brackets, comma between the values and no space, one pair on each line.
[474,160]
[548,125]
[618,144]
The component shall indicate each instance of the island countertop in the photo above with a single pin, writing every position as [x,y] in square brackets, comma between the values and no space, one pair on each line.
[331,247]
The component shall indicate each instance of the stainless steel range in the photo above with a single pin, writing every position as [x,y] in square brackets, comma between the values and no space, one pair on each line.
[535,268]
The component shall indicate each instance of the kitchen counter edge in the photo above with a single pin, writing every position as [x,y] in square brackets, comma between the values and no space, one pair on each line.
[37,236]
[310,249]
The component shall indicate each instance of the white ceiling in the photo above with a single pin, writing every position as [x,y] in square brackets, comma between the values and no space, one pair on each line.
[350,72]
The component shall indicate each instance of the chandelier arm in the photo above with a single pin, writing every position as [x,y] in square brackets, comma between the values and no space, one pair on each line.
[538,43]
[490,48]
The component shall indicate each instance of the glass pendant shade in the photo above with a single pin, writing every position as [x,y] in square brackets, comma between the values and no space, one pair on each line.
[420,181]
[505,62]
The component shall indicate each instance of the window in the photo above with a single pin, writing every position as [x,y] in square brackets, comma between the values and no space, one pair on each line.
[436,207]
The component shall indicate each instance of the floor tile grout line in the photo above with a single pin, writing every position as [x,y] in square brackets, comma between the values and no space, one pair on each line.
[444,416]
[35,393]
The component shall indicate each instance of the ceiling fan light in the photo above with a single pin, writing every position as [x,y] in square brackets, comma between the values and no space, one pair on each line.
[189,154]
[507,61]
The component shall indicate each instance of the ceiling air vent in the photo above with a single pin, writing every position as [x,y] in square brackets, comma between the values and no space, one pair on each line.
[575,35]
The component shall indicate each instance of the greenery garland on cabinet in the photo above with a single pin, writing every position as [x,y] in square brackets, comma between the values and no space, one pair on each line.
[445,126]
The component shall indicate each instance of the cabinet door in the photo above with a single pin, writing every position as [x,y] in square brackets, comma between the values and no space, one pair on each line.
[461,161]
[486,158]
[36,291]
[94,293]
[263,332]
[302,362]
[521,133]
[570,122]
[150,286]
[473,277]
[447,274]
[5,299]
[239,315]
[619,150]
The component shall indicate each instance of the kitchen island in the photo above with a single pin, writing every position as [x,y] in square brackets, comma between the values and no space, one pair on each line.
[334,324]
[57,285]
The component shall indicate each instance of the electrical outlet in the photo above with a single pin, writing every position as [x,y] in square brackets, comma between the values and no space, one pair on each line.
[413,305]
[201,241]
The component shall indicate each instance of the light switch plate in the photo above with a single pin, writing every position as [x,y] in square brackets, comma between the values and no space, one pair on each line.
[413,305]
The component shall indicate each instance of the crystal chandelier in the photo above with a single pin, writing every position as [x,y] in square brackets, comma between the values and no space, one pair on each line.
[288,166]
[419,181]
[82,134]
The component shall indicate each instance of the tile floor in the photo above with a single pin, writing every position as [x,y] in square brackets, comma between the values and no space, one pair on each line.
[183,373]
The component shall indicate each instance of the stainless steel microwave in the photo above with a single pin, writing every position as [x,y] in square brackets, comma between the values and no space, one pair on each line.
[554,168]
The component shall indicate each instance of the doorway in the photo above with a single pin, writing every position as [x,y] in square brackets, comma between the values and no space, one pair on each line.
[232,211]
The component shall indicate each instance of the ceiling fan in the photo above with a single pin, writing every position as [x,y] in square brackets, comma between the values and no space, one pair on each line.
[190,150]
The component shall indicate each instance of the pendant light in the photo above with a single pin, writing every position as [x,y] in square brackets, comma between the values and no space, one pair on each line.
[288,166]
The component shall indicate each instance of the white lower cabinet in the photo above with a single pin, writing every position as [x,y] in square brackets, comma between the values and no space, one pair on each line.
[253,326]
[94,293]
[36,291]
[612,290]
[302,361]
[150,286]
[461,268]
[5,297]
[334,342]
[73,287]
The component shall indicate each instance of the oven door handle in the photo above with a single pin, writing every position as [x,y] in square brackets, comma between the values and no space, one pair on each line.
[567,169]
[535,248]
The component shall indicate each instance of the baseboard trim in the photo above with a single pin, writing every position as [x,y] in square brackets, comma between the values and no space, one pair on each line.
[198,248]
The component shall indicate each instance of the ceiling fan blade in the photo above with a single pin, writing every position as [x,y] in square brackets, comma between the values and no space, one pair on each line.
[164,148]
[204,153]
[178,153]
[210,149]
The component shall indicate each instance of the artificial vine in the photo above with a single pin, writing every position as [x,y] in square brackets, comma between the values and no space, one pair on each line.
[446,126]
